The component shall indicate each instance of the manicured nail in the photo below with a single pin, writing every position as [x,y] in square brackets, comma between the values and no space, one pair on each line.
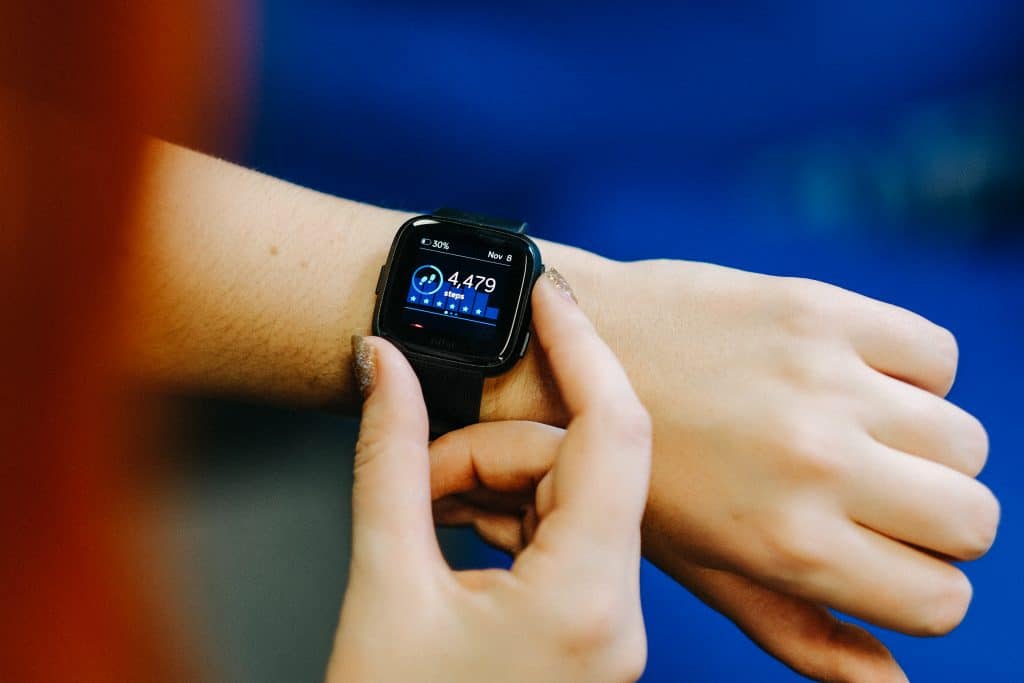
[560,283]
[364,362]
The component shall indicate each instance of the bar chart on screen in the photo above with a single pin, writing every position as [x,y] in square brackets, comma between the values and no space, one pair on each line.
[459,302]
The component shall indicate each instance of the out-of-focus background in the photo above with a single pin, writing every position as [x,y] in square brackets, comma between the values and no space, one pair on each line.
[875,145]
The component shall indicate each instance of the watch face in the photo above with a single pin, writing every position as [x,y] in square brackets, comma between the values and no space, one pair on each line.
[458,291]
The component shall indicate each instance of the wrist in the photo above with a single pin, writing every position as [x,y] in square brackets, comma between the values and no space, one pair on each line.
[528,390]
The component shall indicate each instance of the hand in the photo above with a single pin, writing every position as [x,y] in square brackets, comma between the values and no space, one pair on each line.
[569,608]
[803,454]
[485,476]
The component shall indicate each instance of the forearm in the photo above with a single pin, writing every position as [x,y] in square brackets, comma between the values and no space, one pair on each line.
[249,285]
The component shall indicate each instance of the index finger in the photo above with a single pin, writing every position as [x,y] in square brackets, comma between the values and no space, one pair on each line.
[602,468]
[589,376]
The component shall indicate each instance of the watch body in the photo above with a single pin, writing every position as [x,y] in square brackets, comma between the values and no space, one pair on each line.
[454,297]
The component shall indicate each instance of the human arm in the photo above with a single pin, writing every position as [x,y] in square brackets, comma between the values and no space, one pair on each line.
[780,425]
[249,285]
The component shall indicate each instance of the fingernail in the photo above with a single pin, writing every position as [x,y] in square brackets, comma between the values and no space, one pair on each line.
[364,362]
[560,283]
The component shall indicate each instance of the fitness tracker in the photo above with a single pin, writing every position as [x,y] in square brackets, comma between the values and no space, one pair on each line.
[454,297]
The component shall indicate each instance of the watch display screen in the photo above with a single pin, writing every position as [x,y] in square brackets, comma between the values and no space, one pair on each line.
[455,289]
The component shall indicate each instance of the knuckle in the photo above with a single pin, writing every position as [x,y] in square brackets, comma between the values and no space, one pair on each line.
[591,626]
[630,658]
[947,608]
[794,551]
[921,410]
[802,311]
[805,366]
[812,454]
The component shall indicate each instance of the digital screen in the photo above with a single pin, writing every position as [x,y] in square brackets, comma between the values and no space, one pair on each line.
[456,289]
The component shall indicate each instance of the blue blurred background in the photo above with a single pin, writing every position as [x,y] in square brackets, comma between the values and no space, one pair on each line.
[875,145]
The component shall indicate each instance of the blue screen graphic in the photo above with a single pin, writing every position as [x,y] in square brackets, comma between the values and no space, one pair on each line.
[429,291]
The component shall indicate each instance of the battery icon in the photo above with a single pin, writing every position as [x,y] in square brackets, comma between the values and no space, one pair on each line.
[425,241]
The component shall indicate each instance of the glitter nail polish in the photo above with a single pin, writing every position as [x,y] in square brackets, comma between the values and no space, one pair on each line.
[560,283]
[364,362]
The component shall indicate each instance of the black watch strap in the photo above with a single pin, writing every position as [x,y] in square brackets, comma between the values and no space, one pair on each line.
[453,394]
[486,221]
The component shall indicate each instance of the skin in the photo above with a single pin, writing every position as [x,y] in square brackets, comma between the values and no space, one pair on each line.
[569,608]
[804,456]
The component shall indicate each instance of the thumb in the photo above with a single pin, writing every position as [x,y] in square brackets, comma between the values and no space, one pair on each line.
[392,524]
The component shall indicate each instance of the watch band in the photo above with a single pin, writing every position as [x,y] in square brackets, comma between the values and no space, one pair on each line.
[518,227]
[453,394]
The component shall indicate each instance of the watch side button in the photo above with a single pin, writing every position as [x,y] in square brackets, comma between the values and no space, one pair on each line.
[380,282]
[526,342]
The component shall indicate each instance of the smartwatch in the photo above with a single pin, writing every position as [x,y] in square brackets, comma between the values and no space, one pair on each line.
[454,297]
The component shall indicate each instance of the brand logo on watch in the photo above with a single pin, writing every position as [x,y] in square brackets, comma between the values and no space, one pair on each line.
[442,342]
